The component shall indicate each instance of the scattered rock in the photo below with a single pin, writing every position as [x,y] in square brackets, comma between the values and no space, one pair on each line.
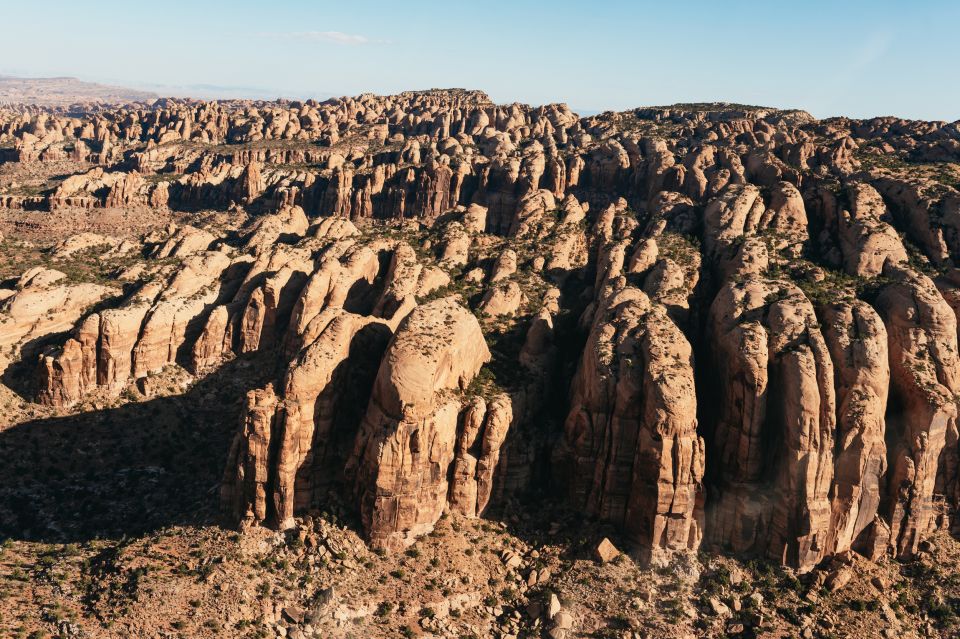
[839,578]
[605,551]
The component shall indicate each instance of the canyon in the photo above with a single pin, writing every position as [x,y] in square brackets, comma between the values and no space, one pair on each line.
[704,329]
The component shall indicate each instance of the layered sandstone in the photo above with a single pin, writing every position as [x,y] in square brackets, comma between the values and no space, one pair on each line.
[408,438]
[634,455]
[774,435]
[709,326]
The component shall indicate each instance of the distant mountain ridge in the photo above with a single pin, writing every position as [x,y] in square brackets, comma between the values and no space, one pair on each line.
[61,91]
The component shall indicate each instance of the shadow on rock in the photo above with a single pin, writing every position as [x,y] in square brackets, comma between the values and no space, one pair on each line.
[125,470]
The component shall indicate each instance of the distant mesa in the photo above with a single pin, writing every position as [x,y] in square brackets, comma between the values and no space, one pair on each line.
[64,91]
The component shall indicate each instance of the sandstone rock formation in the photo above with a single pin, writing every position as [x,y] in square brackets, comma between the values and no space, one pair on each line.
[857,340]
[408,438]
[705,325]
[631,437]
[776,423]
[922,334]
[42,302]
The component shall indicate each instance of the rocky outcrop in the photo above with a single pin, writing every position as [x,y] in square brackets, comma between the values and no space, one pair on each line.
[151,329]
[83,242]
[290,222]
[244,490]
[857,340]
[502,299]
[180,242]
[505,266]
[462,302]
[867,241]
[256,311]
[735,213]
[408,437]
[775,429]
[296,444]
[41,302]
[631,451]
[922,423]
[173,320]
[290,446]
[928,213]
[478,448]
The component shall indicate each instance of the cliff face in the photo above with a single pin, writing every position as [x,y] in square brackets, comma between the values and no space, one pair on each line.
[706,326]
[408,437]
[631,440]
[922,336]
[774,437]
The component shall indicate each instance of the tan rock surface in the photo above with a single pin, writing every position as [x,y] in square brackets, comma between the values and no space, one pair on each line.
[630,440]
[922,334]
[857,341]
[777,419]
[41,303]
[407,440]
[866,240]
[288,240]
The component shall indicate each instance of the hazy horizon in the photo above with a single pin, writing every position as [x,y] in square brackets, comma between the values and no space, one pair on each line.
[859,60]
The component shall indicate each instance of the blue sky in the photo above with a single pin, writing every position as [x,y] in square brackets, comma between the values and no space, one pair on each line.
[847,57]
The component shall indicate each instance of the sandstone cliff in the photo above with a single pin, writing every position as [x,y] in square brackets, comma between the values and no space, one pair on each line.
[706,326]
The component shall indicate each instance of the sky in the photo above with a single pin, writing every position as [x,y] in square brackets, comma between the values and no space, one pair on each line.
[845,57]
